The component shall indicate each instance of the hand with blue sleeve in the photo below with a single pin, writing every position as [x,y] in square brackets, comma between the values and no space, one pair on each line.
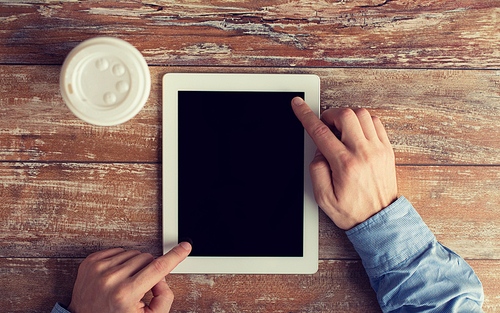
[353,177]
[354,182]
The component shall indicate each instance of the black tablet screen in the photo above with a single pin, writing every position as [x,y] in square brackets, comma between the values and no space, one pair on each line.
[241,173]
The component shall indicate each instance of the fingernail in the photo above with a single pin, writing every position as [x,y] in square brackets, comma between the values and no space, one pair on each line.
[298,101]
[163,279]
[186,246]
[318,152]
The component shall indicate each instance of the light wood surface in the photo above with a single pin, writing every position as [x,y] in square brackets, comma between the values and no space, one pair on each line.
[394,33]
[429,69]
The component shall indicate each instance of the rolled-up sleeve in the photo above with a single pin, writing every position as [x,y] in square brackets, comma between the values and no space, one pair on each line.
[408,269]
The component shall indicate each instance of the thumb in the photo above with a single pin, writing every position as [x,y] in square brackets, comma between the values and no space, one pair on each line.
[163,297]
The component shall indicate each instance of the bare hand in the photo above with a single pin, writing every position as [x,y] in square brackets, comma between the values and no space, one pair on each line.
[116,280]
[355,177]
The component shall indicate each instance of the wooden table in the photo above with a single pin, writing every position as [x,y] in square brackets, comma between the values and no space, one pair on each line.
[429,69]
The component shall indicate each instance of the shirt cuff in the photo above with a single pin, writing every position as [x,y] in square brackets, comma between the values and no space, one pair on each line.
[59,308]
[390,237]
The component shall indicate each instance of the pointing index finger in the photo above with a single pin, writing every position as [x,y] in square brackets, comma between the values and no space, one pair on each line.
[149,276]
[320,133]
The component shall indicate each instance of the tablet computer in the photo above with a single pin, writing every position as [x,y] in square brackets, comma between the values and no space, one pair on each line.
[236,173]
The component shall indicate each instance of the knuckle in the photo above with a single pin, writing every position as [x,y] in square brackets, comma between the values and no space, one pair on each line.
[97,257]
[318,165]
[362,112]
[378,152]
[345,159]
[83,268]
[306,112]
[169,295]
[85,264]
[148,256]
[122,293]
[350,166]
[105,281]
[92,258]
[135,251]
[97,268]
[346,114]
[160,266]
[320,130]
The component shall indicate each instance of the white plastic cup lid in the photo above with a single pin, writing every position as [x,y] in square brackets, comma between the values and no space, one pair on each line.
[105,81]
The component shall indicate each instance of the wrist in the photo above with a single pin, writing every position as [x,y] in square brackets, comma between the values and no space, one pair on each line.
[389,237]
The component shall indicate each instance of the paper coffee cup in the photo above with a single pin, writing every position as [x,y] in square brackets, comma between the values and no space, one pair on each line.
[105,81]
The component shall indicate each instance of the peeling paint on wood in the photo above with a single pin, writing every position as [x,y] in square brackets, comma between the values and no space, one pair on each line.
[98,205]
[275,33]
[73,209]
[432,116]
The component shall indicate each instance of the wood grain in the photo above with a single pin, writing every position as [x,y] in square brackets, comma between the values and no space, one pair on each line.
[432,116]
[429,68]
[68,209]
[73,209]
[368,33]
[35,285]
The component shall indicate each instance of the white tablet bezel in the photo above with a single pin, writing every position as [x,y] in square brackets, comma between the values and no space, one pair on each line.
[174,82]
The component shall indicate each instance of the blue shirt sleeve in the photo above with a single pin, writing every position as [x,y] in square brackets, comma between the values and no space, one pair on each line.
[408,269]
[58,308]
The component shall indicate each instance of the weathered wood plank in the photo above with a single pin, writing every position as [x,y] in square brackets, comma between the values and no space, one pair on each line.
[459,204]
[34,285]
[48,209]
[489,274]
[432,116]
[338,286]
[441,33]
[73,209]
